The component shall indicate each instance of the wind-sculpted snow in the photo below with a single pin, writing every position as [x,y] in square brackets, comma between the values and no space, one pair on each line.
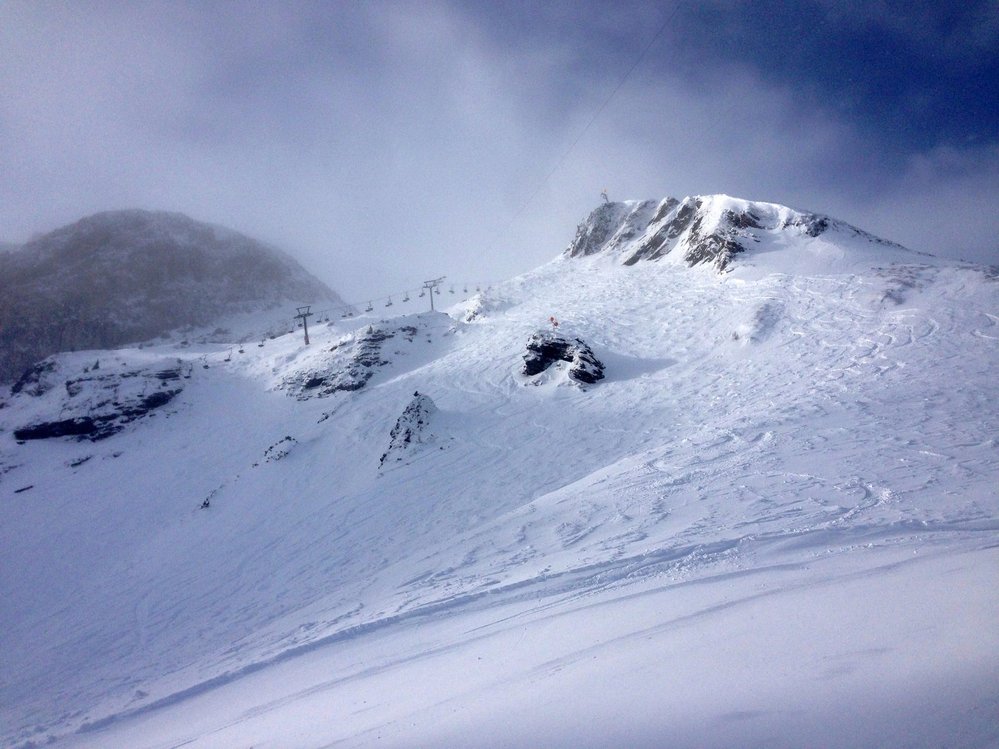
[778,506]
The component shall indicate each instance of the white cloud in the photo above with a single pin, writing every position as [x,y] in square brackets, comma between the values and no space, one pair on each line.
[388,143]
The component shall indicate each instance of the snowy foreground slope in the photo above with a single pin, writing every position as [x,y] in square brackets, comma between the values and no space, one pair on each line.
[773,522]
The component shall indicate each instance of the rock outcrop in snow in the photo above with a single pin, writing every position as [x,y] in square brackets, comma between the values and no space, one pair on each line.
[411,429]
[94,403]
[353,363]
[546,348]
[709,229]
[388,346]
[127,276]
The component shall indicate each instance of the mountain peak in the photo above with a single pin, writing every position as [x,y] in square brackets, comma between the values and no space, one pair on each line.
[700,229]
[130,275]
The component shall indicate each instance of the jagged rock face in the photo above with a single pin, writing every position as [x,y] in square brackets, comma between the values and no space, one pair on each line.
[610,226]
[95,404]
[545,348]
[353,363]
[411,429]
[127,276]
[705,229]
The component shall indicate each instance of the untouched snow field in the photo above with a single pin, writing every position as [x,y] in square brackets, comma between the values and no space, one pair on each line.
[774,523]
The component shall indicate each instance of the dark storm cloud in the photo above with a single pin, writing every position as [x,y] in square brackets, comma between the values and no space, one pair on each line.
[388,142]
[910,75]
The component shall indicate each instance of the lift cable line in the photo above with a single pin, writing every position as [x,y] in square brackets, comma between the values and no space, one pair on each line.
[593,118]
[347,309]
[432,285]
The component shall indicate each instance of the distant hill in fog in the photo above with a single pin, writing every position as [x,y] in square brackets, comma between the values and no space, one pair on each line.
[126,276]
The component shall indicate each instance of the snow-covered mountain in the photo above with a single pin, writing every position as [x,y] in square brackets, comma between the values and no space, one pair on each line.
[709,229]
[128,276]
[776,506]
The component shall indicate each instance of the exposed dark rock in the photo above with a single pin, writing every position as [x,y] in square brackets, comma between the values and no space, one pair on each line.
[33,381]
[169,374]
[100,424]
[83,426]
[352,366]
[664,208]
[743,219]
[811,224]
[96,405]
[718,247]
[686,222]
[544,348]
[698,228]
[610,225]
[280,449]
[412,428]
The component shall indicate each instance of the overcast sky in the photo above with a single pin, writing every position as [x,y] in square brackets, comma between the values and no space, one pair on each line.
[384,143]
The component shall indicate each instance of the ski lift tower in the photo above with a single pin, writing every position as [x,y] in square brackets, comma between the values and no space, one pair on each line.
[430,286]
[304,315]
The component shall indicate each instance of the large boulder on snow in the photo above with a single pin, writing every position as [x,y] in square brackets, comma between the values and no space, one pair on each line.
[545,348]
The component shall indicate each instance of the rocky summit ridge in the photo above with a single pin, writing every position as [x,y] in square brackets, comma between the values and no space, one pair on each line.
[702,229]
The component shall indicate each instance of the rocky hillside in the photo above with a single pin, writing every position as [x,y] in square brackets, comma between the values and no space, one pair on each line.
[701,229]
[126,276]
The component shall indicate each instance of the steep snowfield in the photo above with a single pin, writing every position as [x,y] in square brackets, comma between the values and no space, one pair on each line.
[773,523]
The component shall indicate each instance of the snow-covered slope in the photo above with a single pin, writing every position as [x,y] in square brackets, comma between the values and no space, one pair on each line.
[778,504]
[126,276]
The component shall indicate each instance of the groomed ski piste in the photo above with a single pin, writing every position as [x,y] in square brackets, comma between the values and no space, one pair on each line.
[774,522]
